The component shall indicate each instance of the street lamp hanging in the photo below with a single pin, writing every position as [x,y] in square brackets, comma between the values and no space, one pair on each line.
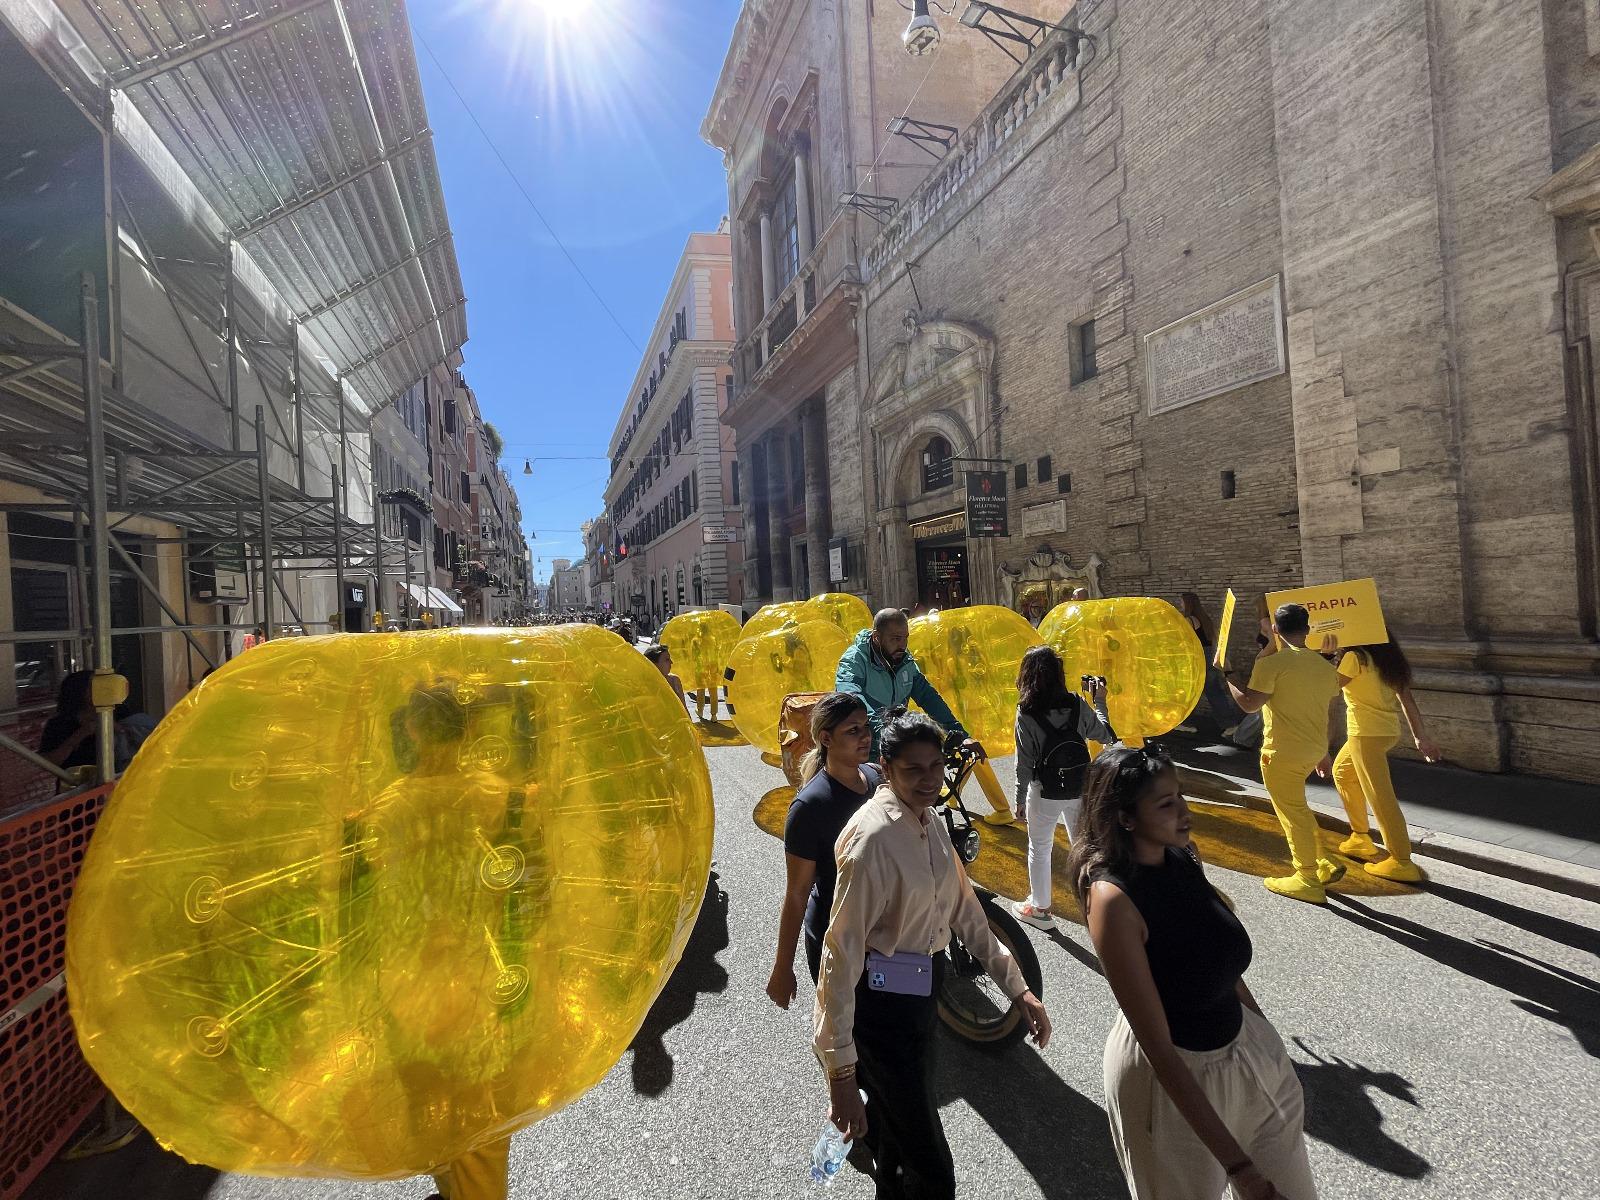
[922,35]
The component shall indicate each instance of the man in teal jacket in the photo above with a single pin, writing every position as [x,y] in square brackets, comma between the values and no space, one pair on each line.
[878,668]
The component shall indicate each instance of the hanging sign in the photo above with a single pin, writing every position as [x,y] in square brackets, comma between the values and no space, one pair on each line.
[987,511]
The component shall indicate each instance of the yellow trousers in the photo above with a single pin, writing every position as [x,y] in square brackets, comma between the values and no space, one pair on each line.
[1361,773]
[990,785]
[1286,784]
[481,1174]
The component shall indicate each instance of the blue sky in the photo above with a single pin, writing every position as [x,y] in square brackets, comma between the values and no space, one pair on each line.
[596,105]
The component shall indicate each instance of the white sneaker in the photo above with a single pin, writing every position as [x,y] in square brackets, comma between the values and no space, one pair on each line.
[1029,915]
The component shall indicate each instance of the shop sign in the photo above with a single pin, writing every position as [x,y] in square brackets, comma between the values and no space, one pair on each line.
[987,511]
[937,527]
[711,534]
[355,595]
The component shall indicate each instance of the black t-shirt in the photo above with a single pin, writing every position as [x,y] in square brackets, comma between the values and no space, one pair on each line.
[816,818]
[1198,950]
[57,730]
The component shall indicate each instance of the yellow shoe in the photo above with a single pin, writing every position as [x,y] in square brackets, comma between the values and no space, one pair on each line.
[1359,845]
[1329,871]
[1003,817]
[1395,869]
[1296,889]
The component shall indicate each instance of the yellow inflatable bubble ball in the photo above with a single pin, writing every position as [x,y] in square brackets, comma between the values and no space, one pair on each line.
[798,657]
[701,643]
[364,904]
[1151,659]
[772,616]
[971,656]
[850,613]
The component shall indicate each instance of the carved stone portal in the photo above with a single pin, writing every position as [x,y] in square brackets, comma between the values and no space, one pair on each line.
[1047,578]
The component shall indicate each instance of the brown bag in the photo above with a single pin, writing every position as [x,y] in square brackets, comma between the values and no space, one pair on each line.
[794,731]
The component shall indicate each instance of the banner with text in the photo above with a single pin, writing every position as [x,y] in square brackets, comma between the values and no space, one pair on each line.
[1348,612]
[987,514]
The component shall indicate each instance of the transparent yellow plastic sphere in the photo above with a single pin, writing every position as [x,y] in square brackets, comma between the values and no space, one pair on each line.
[850,613]
[1147,651]
[366,902]
[971,656]
[797,657]
[701,643]
[773,616]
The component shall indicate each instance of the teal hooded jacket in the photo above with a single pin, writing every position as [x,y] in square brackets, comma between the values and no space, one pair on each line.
[863,672]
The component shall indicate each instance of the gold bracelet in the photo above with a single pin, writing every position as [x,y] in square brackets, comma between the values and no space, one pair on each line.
[839,1073]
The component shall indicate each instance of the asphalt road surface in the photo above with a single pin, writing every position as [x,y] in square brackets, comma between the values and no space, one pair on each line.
[1447,1039]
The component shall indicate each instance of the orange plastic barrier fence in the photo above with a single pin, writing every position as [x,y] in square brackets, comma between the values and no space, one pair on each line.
[46,1088]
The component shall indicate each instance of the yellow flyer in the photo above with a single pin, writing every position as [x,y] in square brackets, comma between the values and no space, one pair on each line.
[1348,611]
[1224,627]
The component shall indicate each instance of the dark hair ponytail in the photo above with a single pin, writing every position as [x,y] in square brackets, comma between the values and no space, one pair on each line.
[828,713]
[1389,661]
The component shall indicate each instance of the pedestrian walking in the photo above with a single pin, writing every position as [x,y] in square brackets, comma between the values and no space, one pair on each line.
[1294,687]
[1375,678]
[1199,1089]
[1223,710]
[837,779]
[661,657]
[1054,727]
[900,893]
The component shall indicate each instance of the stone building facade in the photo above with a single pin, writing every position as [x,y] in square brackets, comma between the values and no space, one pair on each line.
[672,497]
[1250,294]
[800,113]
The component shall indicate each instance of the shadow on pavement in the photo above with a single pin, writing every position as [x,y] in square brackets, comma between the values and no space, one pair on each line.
[718,733]
[1340,1111]
[1539,988]
[1060,1137]
[1579,937]
[140,1168]
[697,972]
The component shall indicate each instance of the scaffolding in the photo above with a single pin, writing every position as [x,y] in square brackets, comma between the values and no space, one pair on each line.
[277,268]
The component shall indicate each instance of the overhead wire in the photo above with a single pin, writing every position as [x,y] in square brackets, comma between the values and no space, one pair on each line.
[532,204]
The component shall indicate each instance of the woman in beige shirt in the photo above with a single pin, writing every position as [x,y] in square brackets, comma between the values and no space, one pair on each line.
[901,892]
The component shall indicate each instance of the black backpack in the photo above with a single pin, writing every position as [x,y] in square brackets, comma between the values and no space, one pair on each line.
[1064,759]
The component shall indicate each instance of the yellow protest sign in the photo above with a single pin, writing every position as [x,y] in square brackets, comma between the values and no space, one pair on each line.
[1224,627]
[1349,612]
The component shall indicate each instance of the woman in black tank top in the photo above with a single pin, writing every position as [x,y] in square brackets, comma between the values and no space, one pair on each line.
[1199,1089]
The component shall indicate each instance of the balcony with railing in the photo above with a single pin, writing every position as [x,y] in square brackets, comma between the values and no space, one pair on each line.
[1041,93]
[812,290]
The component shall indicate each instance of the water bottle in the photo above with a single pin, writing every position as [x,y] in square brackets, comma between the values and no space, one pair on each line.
[828,1155]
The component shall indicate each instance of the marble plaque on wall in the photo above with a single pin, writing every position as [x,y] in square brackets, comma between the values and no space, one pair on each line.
[1236,341]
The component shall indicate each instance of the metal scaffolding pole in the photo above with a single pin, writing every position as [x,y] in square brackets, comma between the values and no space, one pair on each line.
[155,591]
[100,537]
[230,320]
[299,400]
[338,551]
[377,533]
[264,483]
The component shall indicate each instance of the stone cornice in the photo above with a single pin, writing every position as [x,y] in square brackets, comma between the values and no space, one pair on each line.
[752,38]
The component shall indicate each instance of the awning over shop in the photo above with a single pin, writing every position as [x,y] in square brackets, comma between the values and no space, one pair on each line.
[419,595]
[440,600]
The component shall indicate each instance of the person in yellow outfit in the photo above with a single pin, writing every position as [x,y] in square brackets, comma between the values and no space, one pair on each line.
[1374,678]
[1294,688]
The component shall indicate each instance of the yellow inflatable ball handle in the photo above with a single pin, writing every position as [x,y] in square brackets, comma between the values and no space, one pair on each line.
[1147,651]
[795,657]
[971,656]
[364,904]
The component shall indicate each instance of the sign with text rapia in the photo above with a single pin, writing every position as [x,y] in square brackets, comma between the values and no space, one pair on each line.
[1348,612]
[986,504]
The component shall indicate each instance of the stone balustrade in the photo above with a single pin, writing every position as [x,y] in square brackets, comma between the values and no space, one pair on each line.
[1047,80]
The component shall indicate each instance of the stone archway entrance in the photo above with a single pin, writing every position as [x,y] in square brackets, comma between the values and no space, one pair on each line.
[929,408]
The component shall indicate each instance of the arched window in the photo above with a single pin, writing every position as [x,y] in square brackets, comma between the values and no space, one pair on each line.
[938,467]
